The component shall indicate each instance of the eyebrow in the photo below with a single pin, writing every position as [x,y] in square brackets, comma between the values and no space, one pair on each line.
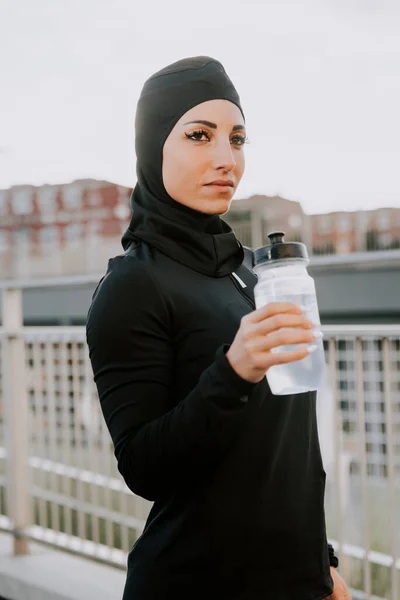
[213,125]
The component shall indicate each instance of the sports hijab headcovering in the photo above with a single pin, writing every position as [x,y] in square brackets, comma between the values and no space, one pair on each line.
[202,242]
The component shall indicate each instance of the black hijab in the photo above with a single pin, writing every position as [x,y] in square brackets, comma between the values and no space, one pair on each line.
[202,242]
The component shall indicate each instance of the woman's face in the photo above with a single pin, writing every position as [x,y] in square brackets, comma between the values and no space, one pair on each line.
[203,157]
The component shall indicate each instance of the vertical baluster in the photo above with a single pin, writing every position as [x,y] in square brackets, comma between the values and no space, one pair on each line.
[80,443]
[52,432]
[337,448]
[363,462]
[390,463]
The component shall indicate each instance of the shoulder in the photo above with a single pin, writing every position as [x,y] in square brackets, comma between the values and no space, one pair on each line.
[125,277]
[127,293]
[128,274]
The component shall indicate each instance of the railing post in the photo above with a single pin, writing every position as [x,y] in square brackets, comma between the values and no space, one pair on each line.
[16,418]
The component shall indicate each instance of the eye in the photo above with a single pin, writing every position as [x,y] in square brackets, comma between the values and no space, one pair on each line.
[198,136]
[239,140]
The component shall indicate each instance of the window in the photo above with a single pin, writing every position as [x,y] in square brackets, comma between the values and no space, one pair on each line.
[95,198]
[363,220]
[72,195]
[47,201]
[383,220]
[344,223]
[3,202]
[21,199]
[354,468]
[94,228]
[349,426]
[21,240]
[48,236]
[122,211]
[325,224]
[73,233]
[385,239]
[295,221]
[3,240]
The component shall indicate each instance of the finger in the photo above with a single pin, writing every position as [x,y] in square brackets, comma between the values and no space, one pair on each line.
[282,337]
[274,308]
[287,336]
[280,358]
[269,359]
[280,321]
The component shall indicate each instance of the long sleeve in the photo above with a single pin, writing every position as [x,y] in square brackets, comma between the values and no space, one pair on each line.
[158,442]
[333,559]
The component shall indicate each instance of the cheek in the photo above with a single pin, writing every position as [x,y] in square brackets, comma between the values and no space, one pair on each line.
[171,170]
[181,170]
[240,165]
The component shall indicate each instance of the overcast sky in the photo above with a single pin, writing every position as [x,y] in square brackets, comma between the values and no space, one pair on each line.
[319,83]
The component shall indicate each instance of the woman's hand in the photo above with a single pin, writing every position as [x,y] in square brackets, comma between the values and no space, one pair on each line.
[276,324]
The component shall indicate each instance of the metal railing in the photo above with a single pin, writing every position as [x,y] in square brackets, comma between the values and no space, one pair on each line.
[363,484]
[59,482]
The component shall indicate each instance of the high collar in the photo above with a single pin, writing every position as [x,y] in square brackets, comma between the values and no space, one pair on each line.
[204,243]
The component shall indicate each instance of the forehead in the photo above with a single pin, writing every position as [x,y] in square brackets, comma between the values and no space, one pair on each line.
[218,111]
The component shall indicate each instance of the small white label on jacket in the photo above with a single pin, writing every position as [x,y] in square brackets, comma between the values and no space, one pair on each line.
[242,283]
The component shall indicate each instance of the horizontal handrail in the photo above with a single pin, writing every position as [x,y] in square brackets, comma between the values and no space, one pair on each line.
[64,332]
[50,282]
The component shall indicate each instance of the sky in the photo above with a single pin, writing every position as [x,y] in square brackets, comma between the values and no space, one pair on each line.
[319,83]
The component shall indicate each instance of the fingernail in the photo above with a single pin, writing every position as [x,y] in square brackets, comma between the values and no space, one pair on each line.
[317,333]
[312,348]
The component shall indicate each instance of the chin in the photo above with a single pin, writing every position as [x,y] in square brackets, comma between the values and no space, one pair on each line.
[216,210]
[216,206]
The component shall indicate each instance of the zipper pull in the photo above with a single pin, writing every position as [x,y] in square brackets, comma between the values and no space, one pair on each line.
[242,283]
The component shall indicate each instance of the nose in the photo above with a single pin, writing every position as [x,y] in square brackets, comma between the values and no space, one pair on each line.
[224,158]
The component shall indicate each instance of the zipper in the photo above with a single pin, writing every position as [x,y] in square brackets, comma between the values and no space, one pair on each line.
[239,288]
[242,283]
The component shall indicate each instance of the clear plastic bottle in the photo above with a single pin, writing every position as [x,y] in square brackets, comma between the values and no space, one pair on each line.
[283,277]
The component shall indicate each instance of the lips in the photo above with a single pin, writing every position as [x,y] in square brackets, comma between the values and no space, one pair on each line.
[221,183]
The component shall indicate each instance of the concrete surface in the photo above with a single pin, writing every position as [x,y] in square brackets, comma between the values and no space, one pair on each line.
[49,574]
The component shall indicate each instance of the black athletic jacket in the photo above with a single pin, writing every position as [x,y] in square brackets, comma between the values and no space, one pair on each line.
[235,472]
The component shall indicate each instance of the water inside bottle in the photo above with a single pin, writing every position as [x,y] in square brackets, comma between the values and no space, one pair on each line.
[300,376]
[306,374]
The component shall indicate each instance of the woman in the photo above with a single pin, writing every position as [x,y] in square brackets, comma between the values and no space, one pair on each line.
[179,355]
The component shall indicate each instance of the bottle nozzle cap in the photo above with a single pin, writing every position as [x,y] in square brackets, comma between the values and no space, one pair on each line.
[276,237]
[279,249]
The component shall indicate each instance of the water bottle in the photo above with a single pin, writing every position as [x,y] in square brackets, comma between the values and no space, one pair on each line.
[283,277]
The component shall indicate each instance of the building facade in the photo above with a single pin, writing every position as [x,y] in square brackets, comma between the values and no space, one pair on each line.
[74,228]
[60,229]
[358,231]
